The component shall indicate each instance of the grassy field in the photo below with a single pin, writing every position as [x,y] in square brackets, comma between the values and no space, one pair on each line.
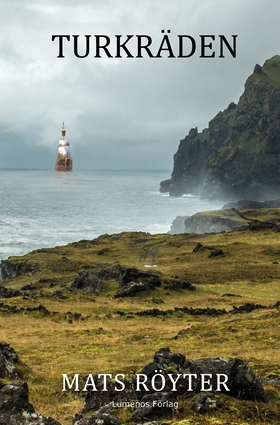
[102,341]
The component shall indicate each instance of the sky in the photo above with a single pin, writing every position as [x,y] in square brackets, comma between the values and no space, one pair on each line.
[121,113]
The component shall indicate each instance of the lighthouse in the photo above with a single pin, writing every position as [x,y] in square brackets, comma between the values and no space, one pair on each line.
[64,161]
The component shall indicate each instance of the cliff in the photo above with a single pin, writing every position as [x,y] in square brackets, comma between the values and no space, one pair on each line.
[238,155]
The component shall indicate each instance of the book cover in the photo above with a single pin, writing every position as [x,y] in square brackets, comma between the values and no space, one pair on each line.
[129,295]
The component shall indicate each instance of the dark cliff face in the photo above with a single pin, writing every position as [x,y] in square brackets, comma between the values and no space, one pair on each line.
[238,155]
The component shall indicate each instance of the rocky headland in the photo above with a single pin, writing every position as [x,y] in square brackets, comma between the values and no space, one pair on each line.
[238,155]
[233,216]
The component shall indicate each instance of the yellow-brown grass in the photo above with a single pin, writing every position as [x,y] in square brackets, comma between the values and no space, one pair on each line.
[105,342]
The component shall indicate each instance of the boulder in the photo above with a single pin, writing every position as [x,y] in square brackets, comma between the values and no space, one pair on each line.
[126,275]
[156,405]
[9,362]
[15,408]
[132,288]
[158,398]
[89,282]
[242,382]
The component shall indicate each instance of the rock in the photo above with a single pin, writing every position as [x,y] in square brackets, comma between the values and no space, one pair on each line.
[258,225]
[178,285]
[247,308]
[125,275]
[242,382]
[215,253]
[215,222]
[227,220]
[258,70]
[8,293]
[58,294]
[165,186]
[14,398]
[10,270]
[15,408]
[9,362]
[156,404]
[190,160]
[237,156]
[89,282]
[99,419]
[96,400]
[178,225]
[206,403]
[164,358]
[160,399]
[132,288]
[198,247]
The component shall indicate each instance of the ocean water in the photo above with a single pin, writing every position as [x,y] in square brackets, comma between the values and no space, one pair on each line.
[46,208]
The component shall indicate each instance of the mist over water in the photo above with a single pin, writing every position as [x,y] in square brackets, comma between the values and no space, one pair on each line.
[47,208]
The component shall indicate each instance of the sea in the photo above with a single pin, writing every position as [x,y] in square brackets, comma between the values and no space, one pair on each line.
[45,208]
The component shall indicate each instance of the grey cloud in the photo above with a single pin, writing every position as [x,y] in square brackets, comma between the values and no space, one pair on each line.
[120,112]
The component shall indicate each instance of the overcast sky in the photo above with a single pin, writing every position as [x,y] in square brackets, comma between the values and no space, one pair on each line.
[120,113]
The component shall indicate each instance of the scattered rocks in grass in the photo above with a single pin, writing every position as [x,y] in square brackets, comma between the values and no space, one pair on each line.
[43,310]
[158,398]
[199,311]
[248,307]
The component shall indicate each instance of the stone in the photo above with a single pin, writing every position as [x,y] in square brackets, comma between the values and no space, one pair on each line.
[99,419]
[8,293]
[155,405]
[15,408]
[178,225]
[215,253]
[258,70]
[9,362]
[132,288]
[242,382]
[206,403]
[151,403]
[88,282]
